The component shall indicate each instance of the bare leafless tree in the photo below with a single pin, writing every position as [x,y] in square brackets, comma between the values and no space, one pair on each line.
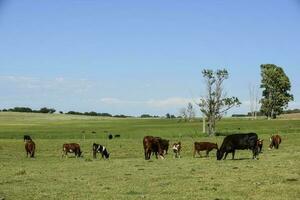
[188,113]
[191,113]
[254,100]
[215,104]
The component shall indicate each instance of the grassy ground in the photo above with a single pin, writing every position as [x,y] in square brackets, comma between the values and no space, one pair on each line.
[276,175]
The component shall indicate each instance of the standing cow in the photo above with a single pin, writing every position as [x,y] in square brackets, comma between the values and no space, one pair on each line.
[152,144]
[275,141]
[204,146]
[71,148]
[176,149]
[97,148]
[235,142]
[30,148]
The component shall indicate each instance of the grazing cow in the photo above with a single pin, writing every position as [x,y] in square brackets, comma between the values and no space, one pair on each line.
[97,148]
[72,148]
[260,144]
[26,138]
[30,148]
[275,141]
[234,142]
[152,144]
[110,136]
[164,145]
[204,146]
[117,136]
[176,149]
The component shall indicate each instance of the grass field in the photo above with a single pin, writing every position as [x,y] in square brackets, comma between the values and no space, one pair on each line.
[276,175]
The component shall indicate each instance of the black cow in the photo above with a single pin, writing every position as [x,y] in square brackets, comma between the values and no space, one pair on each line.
[97,148]
[235,142]
[27,138]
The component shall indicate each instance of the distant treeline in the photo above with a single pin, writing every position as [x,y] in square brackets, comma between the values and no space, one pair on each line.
[29,110]
[52,110]
[92,113]
[261,114]
[96,114]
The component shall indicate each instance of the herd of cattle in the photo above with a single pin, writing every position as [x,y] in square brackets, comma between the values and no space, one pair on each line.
[159,147]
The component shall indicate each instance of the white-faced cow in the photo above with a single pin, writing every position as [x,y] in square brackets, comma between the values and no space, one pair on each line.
[97,148]
[176,149]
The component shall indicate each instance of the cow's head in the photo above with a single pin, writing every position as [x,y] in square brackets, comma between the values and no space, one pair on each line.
[220,154]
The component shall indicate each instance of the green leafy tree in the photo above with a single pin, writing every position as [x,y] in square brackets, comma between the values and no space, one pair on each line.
[215,104]
[276,90]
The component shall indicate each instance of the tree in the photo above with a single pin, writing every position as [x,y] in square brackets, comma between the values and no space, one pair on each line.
[254,100]
[190,111]
[47,110]
[183,114]
[276,87]
[215,104]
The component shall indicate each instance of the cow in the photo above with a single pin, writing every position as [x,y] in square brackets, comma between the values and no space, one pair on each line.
[71,148]
[110,136]
[234,142]
[275,141]
[30,148]
[164,144]
[260,144]
[152,144]
[97,148]
[176,149]
[204,146]
[26,138]
[117,136]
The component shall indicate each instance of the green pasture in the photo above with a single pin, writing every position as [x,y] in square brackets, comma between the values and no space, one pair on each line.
[276,175]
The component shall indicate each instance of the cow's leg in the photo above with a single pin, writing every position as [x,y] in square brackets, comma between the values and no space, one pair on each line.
[207,152]
[147,154]
[225,155]
[255,153]
[233,153]
[32,154]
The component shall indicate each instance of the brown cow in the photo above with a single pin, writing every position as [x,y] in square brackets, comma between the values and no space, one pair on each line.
[30,148]
[260,144]
[72,148]
[204,146]
[176,149]
[275,141]
[152,144]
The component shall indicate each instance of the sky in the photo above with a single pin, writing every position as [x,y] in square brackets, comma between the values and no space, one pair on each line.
[134,57]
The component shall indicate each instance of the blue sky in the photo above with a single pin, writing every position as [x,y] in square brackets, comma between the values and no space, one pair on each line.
[135,57]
